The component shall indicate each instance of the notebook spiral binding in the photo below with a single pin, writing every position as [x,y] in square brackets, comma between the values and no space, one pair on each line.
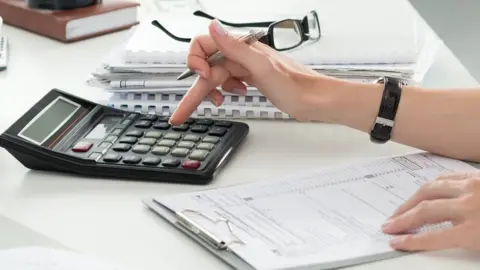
[225,112]
[234,107]
[248,100]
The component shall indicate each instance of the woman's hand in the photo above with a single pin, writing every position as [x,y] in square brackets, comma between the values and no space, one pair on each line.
[291,87]
[452,197]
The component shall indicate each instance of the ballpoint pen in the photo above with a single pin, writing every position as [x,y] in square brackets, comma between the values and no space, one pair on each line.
[250,37]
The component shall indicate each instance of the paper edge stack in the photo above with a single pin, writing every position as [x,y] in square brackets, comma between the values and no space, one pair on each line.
[163,99]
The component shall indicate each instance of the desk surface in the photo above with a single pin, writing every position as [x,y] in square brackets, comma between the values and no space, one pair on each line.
[106,217]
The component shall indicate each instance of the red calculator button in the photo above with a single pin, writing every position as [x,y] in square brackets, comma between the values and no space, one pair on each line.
[82,147]
[191,164]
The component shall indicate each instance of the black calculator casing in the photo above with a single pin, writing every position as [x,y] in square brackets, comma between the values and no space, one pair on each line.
[55,153]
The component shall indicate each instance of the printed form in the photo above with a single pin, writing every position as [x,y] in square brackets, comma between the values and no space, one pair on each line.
[330,217]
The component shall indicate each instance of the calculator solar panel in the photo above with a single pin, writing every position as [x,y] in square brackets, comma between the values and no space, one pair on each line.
[65,133]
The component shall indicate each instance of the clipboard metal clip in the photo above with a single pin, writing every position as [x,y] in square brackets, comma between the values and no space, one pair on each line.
[207,236]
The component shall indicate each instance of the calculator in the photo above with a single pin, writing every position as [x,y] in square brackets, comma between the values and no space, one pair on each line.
[69,134]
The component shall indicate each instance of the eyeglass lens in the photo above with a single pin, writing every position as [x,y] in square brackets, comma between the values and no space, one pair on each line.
[286,34]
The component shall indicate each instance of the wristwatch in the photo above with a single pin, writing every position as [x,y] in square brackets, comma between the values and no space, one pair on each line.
[383,125]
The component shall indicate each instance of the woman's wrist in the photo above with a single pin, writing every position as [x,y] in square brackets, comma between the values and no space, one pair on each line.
[349,103]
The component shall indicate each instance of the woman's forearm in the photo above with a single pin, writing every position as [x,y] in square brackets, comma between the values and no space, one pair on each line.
[441,121]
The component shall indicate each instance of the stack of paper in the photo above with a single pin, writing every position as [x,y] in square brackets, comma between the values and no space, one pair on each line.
[141,72]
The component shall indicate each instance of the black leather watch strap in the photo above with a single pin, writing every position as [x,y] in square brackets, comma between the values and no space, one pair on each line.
[382,127]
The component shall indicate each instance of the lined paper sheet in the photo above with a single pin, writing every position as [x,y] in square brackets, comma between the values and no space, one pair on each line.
[328,218]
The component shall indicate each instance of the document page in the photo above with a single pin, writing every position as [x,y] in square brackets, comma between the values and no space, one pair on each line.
[328,218]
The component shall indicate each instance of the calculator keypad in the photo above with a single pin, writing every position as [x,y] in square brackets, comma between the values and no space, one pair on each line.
[150,140]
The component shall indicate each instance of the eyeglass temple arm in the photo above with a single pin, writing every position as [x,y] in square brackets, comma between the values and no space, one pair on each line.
[157,24]
[252,24]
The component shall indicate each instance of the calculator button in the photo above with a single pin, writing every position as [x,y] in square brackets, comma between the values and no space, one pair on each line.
[153,134]
[186,144]
[191,138]
[105,145]
[143,124]
[211,139]
[134,133]
[132,116]
[150,117]
[112,158]
[95,155]
[172,136]
[132,159]
[183,127]
[171,163]
[217,131]
[205,146]
[147,141]
[111,138]
[160,150]
[198,155]
[226,124]
[161,125]
[151,161]
[117,131]
[206,122]
[189,121]
[199,129]
[179,152]
[82,147]
[141,149]
[163,119]
[191,164]
[122,147]
[130,140]
[168,143]
[126,122]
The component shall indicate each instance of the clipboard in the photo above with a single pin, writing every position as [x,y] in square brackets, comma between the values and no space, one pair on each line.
[219,249]
[268,254]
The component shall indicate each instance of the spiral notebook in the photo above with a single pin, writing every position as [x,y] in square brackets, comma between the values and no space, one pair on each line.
[324,219]
[367,42]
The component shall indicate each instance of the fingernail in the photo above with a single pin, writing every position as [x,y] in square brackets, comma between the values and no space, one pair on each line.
[219,28]
[386,224]
[396,241]
[239,91]
[214,102]
[200,73]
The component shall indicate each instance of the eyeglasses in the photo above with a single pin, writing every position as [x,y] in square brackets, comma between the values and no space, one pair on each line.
[281,35]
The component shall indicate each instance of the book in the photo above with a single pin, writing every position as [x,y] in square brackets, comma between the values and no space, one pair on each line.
[71,25]
[323,219]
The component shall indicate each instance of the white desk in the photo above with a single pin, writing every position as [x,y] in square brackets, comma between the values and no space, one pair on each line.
[106,217]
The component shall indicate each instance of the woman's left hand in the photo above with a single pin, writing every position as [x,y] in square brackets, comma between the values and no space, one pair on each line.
[453,197]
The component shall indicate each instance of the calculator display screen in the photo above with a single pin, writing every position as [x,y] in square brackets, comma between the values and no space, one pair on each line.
[104,127]
[49,120]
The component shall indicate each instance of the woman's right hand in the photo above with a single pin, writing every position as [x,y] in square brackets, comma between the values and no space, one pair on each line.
[291,87]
